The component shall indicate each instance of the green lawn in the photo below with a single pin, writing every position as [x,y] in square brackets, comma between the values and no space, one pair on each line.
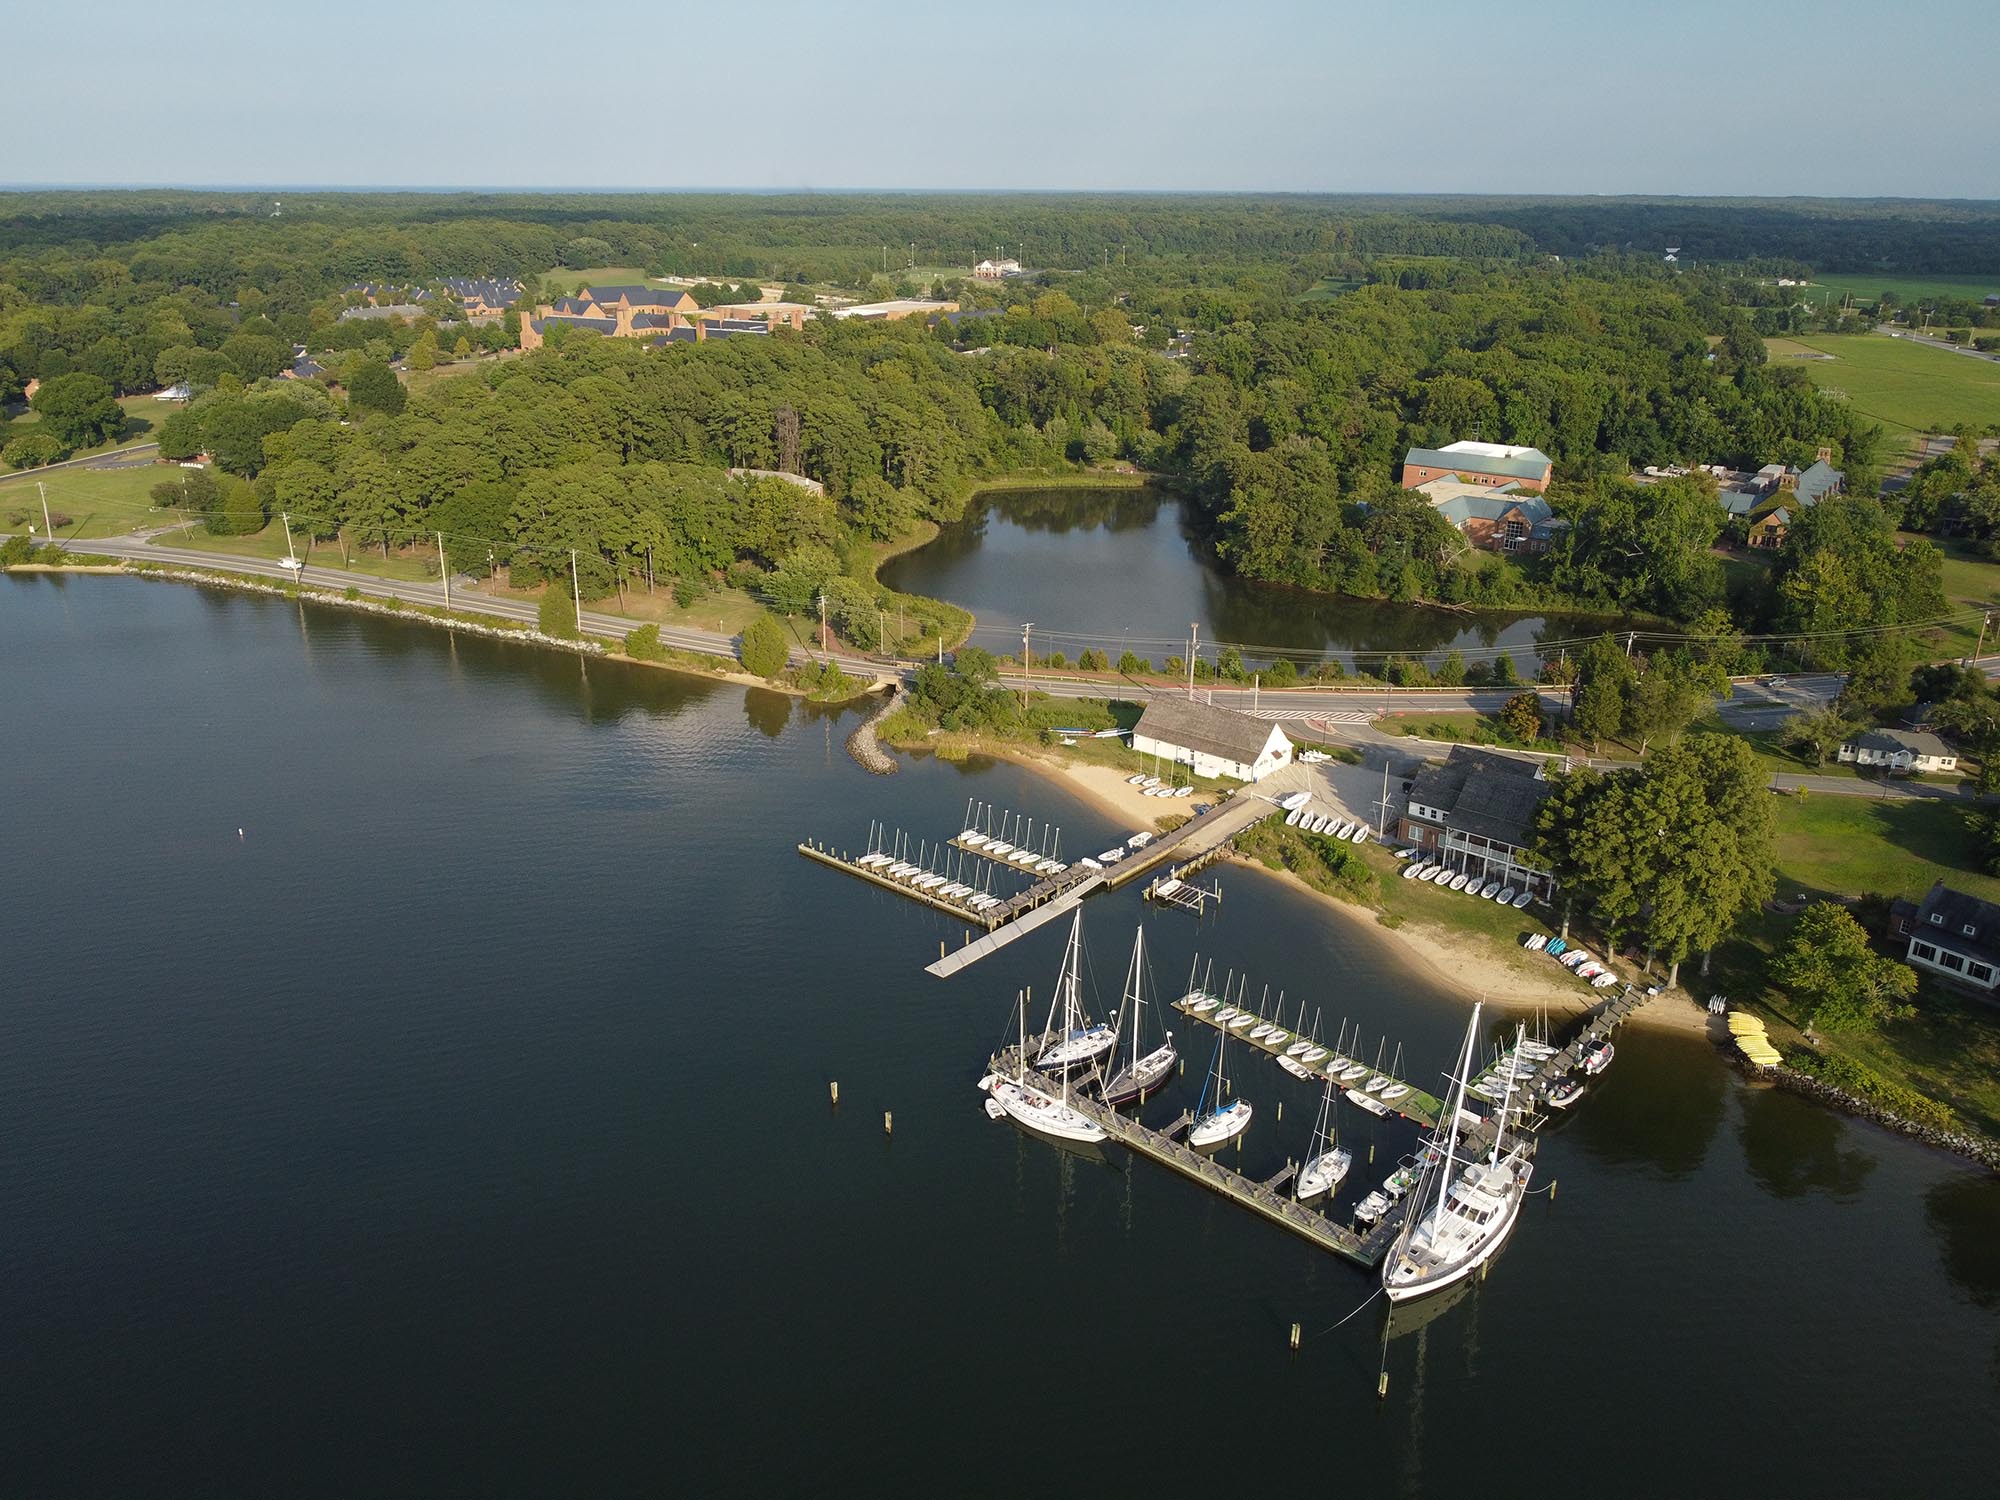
[1908,387]
[413,567]
[1850,846]
[569,281]
[1866,286]
[99,502]
[143,416]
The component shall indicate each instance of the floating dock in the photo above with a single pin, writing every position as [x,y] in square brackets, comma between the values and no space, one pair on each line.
[1266,1199]
[1412,1104]
[1538,1083]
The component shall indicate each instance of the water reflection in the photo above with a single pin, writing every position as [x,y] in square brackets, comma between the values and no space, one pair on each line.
[1793,1147]
[1964,1212]
[770,714]
[1646,1110]
[1129,568]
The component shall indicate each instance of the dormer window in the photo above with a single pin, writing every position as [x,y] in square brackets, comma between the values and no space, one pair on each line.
[1968,930]
[1937,919]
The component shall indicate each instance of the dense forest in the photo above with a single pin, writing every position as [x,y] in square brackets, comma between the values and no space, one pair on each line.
[1312,341]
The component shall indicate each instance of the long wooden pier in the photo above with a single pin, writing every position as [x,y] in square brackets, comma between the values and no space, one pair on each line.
[1267,1200]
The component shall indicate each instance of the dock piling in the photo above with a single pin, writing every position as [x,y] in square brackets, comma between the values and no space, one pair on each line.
[888,1122]
[833,1088]
[1295,1336]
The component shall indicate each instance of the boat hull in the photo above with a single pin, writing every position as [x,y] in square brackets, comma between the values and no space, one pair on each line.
[1036,1111]
[1131,1084]
[1488,1247]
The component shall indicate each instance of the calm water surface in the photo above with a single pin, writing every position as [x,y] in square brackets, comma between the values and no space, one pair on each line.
[462,1129]
[1119,568]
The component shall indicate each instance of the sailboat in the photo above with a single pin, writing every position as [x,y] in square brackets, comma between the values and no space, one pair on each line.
[1042,1112]
[1139,1075]
[1323,1172]
[1213,1122]
[1461,1226]
[1080,1042]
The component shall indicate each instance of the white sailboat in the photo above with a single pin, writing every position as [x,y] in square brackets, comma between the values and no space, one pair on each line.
[1325,1169]
[1460,1226]
[1139,1075]
[1046,1114]
[1215,1122]
[1080,1041]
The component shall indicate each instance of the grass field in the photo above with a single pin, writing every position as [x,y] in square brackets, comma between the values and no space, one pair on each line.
[143,416]
[1908,387]
[1866,286]
[569,281]
[1894,846]
[99,502]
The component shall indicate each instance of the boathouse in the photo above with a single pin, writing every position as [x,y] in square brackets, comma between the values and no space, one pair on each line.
[1211,741]
[1476,811]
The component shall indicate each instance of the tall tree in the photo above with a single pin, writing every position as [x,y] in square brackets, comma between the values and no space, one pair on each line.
[1828,966]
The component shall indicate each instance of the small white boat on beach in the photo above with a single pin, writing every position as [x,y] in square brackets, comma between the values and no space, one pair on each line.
[1457,882]
[1411,872]
[1139,780]
[1292,818]
[1150,781]
[1506,895]
[1341,829]
[1294,801]
[1360,834]
[1521,900]
[1443,874]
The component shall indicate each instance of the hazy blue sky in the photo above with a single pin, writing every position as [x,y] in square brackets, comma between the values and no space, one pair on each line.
[1584,96]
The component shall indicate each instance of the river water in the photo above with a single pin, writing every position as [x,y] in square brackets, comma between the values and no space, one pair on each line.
[462,1127]
[1120,569]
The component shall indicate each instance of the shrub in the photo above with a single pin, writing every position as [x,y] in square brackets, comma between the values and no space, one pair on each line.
[556,614]
[1282,673]
[1132,665]
[763,649]
[687,592]
[643,644]
[32,451]
[15,550]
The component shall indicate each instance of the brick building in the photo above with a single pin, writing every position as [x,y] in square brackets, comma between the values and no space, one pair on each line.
[1478,463]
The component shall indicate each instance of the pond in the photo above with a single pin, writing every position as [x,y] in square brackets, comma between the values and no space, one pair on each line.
[1129,569]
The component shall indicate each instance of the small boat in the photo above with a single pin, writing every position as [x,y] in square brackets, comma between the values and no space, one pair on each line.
[1376,1084]
[1314,757]
[1324,1172]
[1353,1071]
[925,882]
[1138,841]
[1370,1209]
[1261,1030]
[1150,781]
[1395,1091]
[1023,857]
[1046,867]
[1372,1105]
[1342,829]
[1111,856]
[1411,872]
[1223,1125]
[1140,1074]
[999,849]
[1555,946]
[1442,875]
[1243,1019]
[1089,863]
[1489,890]
[1457,882]
[995,1110]
[1598,1058]
[1139,780]
[1294,801]
[1403,1178]
[1109,734]
[1521,900]
[967,835]
[1292,818]
[1312,1055]
[1295,1068]
[1537,1050]
[1298,1048]
[1535,941]
[1605,980]
[1227,1014]
[1277,1038]
[1183,791]
[1167,887]
[1506,895]
[1404,853]
[1573,958]
[1360,834]
[1565,1093]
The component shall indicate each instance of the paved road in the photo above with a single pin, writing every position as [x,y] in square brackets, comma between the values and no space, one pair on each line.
[117,458]
[1911,335]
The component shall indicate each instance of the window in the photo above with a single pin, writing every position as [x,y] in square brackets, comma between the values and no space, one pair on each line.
[1937,919]
[1951,961]
[1967,930]
[1924,951]
[1981,972]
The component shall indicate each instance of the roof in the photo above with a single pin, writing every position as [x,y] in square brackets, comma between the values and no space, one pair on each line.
[1492,450]
[639,296]
[1485,793]
[726,327]
[1901,742]
[1817,481]
[1525,463]
[1739,502]
[588,325]
[1221,732]
[1492,506]
[1960,911]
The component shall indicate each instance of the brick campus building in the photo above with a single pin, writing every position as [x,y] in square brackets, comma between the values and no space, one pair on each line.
[661,315]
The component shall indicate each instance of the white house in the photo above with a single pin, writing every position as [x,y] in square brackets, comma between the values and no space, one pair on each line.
[1212,741]
[996,270]
[1899,750]
[1952,934]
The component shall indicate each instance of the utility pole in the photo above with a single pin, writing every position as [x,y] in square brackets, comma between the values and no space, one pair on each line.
[882,631]
[649,567]
[444,571]
[1254,676]
[1194,646]
[1026,631]
[48,527]
[822,622]
[1628,643]
[291,552]
[576,593]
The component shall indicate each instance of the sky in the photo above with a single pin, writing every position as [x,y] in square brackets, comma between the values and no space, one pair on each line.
[1707,97]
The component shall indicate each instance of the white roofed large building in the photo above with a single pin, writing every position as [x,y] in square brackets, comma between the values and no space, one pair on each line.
[1211,741]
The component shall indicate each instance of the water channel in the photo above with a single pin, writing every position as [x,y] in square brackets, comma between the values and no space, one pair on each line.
[461,1126]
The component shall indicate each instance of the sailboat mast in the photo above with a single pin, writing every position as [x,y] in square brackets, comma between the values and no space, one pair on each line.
[1449,1125]
[1507,1098]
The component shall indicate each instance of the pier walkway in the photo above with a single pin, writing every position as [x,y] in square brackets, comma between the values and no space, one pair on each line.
[1412,1103]
[1537,1084]
[1264,1199]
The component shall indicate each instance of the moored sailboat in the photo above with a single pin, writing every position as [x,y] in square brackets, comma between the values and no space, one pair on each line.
[1042,1112]
[1140,1074]
[1079,1041]
[1215,1122]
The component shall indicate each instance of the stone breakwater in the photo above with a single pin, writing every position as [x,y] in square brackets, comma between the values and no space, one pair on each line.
[1975,1148]
[865,748]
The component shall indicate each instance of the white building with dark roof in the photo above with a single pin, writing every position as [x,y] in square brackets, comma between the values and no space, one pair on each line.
[1915,751]
[1211,741]
[1476,812]
[1952,934]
